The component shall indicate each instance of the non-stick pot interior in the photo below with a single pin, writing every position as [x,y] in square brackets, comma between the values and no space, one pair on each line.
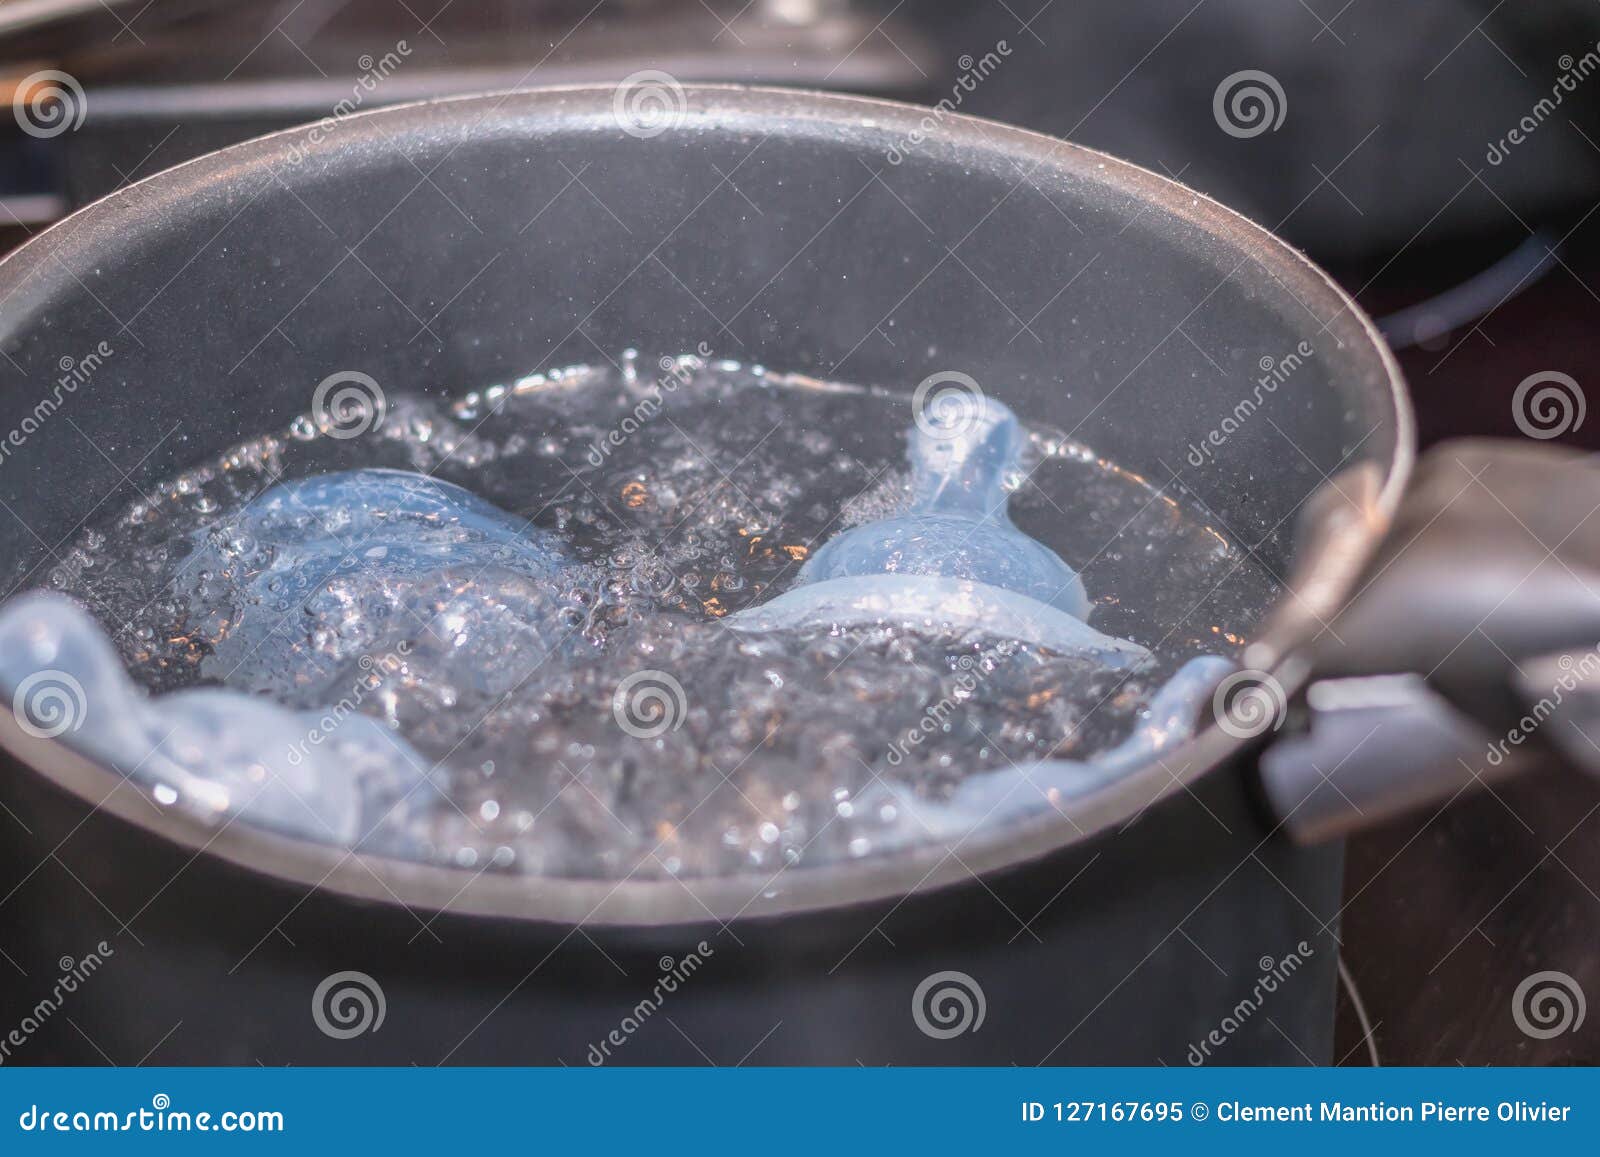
[445,247]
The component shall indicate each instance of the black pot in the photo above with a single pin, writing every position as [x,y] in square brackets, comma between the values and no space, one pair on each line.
[890,242]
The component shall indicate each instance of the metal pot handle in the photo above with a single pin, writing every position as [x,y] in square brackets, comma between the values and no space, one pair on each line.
[1470,652]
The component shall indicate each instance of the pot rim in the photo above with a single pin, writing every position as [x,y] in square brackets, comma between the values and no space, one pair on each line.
[1338,550]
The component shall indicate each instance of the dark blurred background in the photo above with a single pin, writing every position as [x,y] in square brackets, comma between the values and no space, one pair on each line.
[1440,157]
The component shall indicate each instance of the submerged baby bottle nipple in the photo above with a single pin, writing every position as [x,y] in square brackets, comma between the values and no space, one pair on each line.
[953,562]
[362,563]
[962,449]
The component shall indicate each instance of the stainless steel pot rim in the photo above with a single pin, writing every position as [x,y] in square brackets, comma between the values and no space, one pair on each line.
[632,902]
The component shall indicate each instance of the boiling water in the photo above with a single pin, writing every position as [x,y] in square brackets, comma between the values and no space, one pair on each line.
[541,629]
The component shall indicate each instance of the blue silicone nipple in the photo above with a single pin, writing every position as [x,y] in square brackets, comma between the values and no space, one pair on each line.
[954,561]
[961,453]
[337,566]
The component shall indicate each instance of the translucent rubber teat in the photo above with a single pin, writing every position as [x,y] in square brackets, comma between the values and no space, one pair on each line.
[939,606]
[342,566]
[209,751]
[961,452]
[953,562]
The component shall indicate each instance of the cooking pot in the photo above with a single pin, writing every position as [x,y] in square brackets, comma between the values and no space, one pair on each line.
[1185,912]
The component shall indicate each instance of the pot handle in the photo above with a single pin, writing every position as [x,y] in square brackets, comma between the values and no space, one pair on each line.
[1470,651]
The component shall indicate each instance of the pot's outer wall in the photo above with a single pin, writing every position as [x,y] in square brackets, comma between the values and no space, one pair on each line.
[1131,949]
